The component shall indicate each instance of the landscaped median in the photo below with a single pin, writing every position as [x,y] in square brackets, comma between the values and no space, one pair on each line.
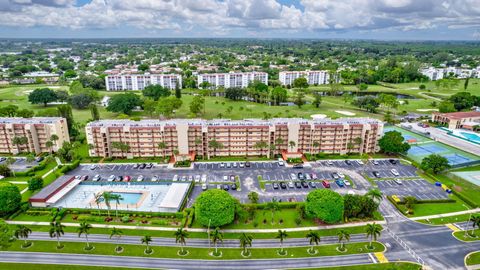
[196,253]
[468,236]
[473,259]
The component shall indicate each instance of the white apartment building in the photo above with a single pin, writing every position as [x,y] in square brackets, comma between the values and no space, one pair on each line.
[314,77]
[232,79]
[121,82]
[461,73]
[433,73]
[187,138]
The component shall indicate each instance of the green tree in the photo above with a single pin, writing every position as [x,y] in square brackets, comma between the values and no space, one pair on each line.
[465,84]
[235,93]
[272,206]
[446,107]
[5,170]
[215,207]
[122,147]
[25,113]
[278,95]
[35,183]
[410,202]
[116,198]
[178,91]
[313,239]
[197,105]
[216,236]
[281,235]
[180,237]
[9,111]
[80,101]
[261,145]
[325,204]
[245,242]
[19,141]
[23,231]
[301,83]
[392,142]
[6,235]
[299,98]
[373,232]
[375,194]
[42,96]
[107,198]
[291,145]
[253,197]
[143,67]
[317,100]
[464,100]
[156,91]
[146,240]
[117,233]
[10,198]
[56,230]
[166,106]
[475,221]
[434,163]
[215,145]
[124,103]
[343,236]
[94,112]
[84,229]
[65,111]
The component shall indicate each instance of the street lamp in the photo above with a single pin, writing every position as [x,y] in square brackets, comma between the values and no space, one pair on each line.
[469,218]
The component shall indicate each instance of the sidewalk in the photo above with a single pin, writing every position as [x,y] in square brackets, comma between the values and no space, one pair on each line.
[151,228]
[471,211]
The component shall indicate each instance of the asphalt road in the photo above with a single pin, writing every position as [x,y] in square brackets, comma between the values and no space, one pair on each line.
[156,263]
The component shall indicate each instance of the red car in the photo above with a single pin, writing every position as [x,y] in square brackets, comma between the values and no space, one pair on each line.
[326,184]
[127,178]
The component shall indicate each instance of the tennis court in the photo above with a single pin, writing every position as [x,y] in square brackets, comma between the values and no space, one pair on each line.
[409,136]
[472,177]
[455,156]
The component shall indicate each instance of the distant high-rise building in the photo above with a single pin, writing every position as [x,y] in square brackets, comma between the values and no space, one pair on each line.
[120,82]
[314,77]
[232,79]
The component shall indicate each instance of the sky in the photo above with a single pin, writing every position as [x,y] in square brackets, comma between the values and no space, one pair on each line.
[322,19]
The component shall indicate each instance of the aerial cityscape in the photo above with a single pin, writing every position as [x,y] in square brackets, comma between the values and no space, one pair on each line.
[226,134]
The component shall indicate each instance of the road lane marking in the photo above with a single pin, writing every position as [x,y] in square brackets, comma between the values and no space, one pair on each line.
[452,227]
[372,258]
[381,257]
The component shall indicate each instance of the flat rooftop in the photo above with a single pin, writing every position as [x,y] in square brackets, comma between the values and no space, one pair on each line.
[459,115]
[33,120]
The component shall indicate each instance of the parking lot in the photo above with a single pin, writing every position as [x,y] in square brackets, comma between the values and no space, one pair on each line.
[418,188]
[269,179]
[20,164]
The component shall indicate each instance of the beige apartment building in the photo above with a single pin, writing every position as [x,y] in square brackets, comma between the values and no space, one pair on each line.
[36,130]
[249,137]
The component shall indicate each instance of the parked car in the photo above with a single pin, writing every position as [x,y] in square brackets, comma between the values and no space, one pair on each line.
[77,177]
[190,178]
[234,186]
[38,159]
[341,175]
[175,178]
[111,178]
[219,186]
[232,178]
[197,178]
[204,187]
[247,164]
[330,163]
[348,162]
[184,178]
[398,181]
[235,165]
[281,162]
[136,165]
[304,184]
[326,184]
[283,185]
[298,185]
[293,176]
[275,186]
[300,176]
[96,177]
[340,183]
[376,174]
[312,184]
[2,159]
[226,187]
[307,176]
[335,176]
[314,176]
[229,165]
[393,161]
[394,172]
[140,178]
[143,165]
[127,178]
[241,164]
[291,185]
[149,166]
[347,183]
[204,178]
[375,162]
[360,162]
[298,166]
[118,178]
[155,178]
[225,178]
[222,164]
[93,167]
[84,177]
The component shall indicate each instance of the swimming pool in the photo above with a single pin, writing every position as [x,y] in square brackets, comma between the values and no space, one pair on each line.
[471,136]
[128,197]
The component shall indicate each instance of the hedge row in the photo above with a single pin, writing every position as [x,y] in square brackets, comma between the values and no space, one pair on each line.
[281,205]
[31,171]
[66,168]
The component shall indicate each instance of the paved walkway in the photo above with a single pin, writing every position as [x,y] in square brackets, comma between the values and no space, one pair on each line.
[471,211]
[152,228]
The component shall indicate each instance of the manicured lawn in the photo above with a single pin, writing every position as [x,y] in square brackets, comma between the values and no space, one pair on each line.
[445,220]
[194,253]
[469,236]
[427,209]
[473,258]
[386,266]
[140,232]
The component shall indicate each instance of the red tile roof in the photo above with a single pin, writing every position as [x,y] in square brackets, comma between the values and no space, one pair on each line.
[459,115]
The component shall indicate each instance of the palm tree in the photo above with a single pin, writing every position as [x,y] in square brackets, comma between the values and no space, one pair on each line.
[273,206]
[84,229]
[410,201]
[107,197]
[56,230]
[117,198]
[291,145]
[146,240]
[180,236]
[314,239]
[117,233]
[315,145]
[373,232]
[215,145]
[162,146]
[216,236]
[54,138]
[475,220]
[19,141]
[49,145]
[30,158]
[245,242]
[98,199]
[23,231]
[281,235]
[10,161]
[342,237]
[261,145]
[375,194]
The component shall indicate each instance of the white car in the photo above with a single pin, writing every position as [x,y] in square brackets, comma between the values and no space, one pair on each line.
[190,178]
[229,165]
[140,178]
[341,175]
[77,177]
[394,172]
[360,162]
[293,176]
[241,165]
[204,186]
[375,162]
[347,183]
[204,178]
[235,164]
[111,178]
[330,163]
[155,178]
[398,181]
[197,178]
[281,162]
[225,178]
[96,177]
[175,178]
[93,167]
[351,192]
[222,165]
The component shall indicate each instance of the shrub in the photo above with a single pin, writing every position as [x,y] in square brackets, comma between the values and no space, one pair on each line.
[10,198]
[325,205]
[215,207]
[35,183]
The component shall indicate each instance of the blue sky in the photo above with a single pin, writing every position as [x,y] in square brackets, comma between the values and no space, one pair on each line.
[349,19]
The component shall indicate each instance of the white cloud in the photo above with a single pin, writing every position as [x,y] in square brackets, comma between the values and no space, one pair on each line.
[251,16]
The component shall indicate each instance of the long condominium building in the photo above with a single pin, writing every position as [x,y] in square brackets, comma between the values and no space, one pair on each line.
[32,134]
[250,137]
[314,77]
[232,79]
[120,82]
